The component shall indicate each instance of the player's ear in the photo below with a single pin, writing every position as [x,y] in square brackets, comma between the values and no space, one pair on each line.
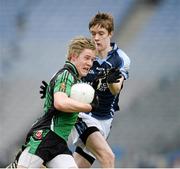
[111,34]
[73,57]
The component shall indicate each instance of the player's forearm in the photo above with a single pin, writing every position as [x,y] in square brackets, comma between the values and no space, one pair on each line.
[63,103]
[115,88]
[69,105]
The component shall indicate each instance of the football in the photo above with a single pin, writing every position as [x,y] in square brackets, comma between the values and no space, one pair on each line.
[82,92]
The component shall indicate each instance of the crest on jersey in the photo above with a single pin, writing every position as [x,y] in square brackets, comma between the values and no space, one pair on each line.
[38,134]
[63,86]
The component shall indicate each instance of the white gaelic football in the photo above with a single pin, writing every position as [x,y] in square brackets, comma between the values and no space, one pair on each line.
[82,92]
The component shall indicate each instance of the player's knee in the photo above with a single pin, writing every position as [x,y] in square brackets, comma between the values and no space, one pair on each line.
[110,157]
[107,157]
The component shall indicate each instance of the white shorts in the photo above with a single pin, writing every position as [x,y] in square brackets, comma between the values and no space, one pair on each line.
[104,127]
[29,160]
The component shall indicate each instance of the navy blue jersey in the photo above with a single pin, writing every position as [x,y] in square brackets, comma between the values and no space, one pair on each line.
[108,103]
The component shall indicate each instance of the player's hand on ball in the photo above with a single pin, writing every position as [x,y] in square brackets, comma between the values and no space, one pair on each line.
[113,75]
[43,89]
[95,103]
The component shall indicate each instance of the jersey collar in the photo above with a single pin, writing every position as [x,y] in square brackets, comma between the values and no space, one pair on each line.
[72,67]
[114,48]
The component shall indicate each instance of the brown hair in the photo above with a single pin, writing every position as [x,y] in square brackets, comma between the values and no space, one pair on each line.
[77,45]
[104,20]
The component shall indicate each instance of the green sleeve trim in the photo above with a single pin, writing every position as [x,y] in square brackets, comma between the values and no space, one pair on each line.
[64,82]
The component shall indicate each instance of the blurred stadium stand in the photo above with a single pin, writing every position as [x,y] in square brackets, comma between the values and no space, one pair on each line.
[33,41]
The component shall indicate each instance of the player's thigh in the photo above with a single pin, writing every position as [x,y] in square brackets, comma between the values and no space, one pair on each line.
[28,160]
[62,161]
[97,144]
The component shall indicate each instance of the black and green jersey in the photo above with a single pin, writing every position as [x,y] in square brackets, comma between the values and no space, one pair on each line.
[59,122]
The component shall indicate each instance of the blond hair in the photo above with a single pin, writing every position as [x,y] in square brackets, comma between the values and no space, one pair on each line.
[104,20]
[78,44]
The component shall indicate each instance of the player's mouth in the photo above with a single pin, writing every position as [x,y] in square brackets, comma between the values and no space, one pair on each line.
[86,69]
[98,44]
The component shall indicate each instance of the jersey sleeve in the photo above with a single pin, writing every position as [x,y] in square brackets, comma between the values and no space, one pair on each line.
[64,83]
[125,63]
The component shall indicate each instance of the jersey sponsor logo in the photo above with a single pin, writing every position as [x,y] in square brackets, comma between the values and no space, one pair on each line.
[91,71]
[63,86]
[100,68]
[102,86]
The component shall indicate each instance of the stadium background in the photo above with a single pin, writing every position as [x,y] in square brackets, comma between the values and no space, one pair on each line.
[33,40]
